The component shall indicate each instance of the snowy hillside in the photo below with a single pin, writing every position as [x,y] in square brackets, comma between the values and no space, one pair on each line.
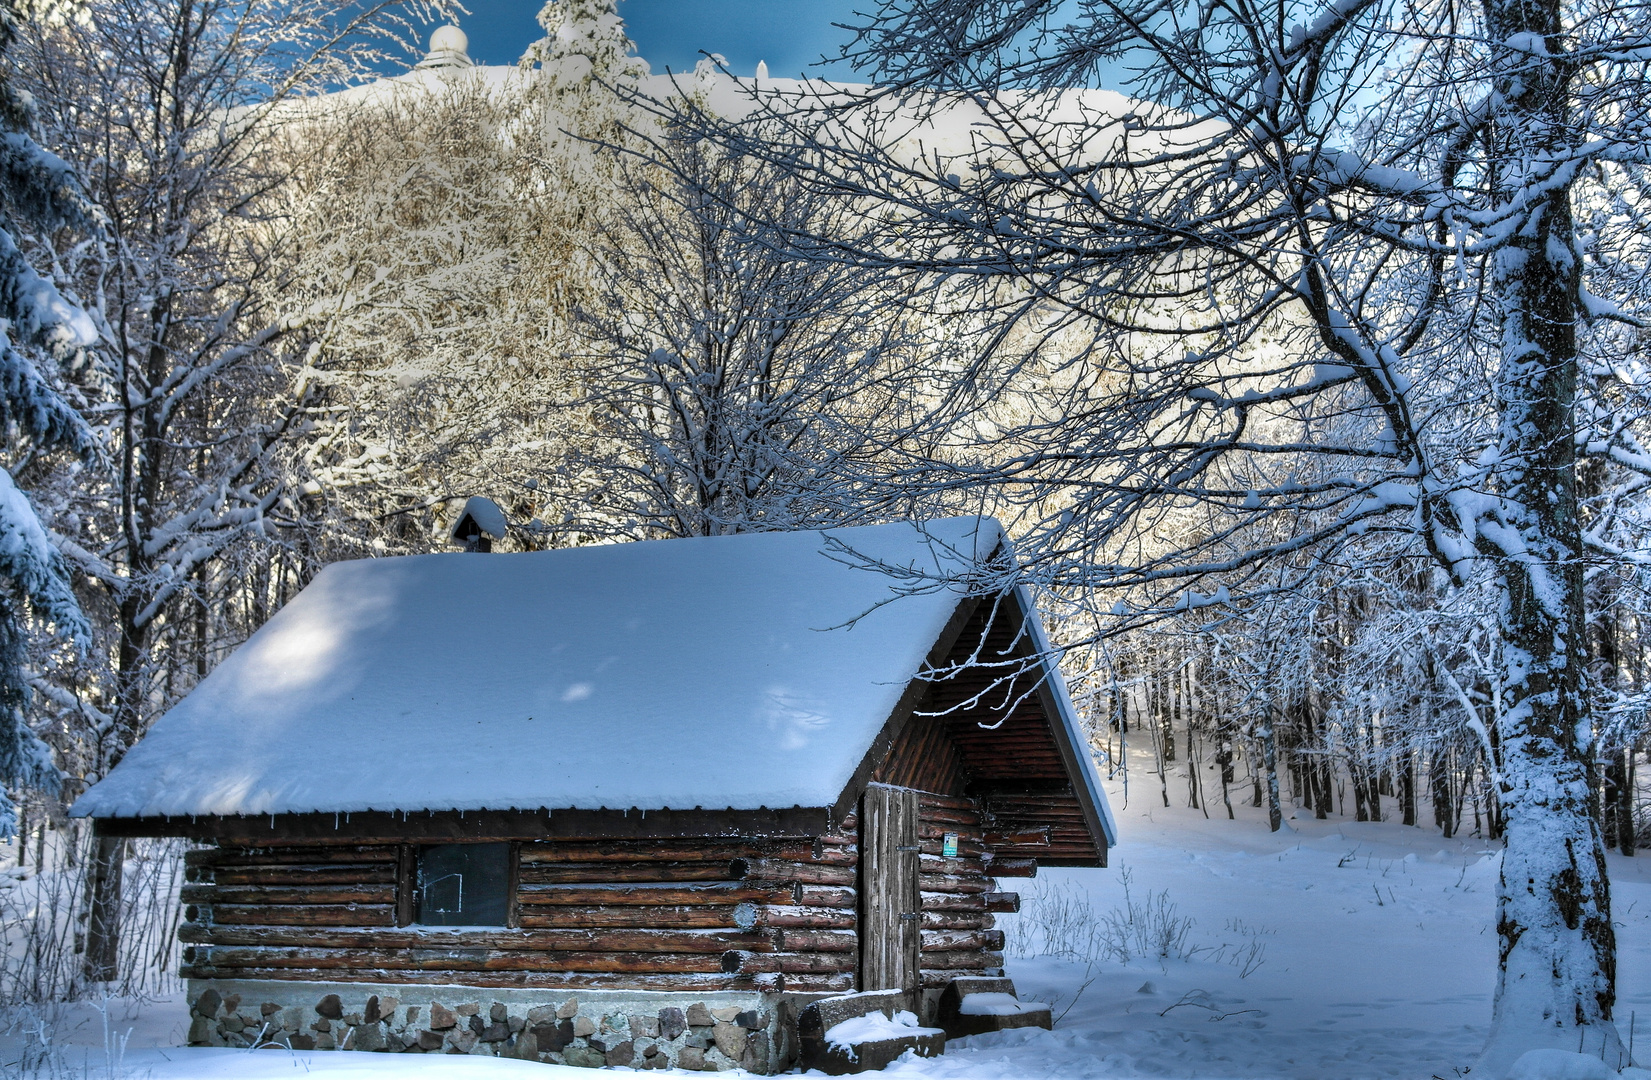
[1332,950]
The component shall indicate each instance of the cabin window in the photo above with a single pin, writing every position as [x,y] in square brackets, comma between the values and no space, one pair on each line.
[463,885]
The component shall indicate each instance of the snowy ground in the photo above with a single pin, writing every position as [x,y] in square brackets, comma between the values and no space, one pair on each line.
[1377,960]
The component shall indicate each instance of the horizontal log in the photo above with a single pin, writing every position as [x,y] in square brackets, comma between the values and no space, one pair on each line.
[319,894]
[622,939]
[838,855]
[651,896]
[955,940]
[840,983]
[749,963]
[643,851]
[937,980]
[526,980]
[1043,794]
[954,883]
[293,915]
[623,872]
[1031,836]
[457,959]
[940,816]
[808,918]
[949,802]
[1003,902]
[939,833]
[1003,738]
[276,856]
[823,896]
[782,870]
[967,849]
[351,874]
[941,864]
[957,920]
[1066,805]
[679,917]
[949,901]
[964,960]
[808,940]
[1000,868]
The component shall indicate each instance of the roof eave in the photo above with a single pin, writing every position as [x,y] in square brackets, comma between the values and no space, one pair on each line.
[539,824]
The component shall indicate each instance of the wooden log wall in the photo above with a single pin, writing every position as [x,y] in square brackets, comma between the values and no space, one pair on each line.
[1001,748]
[696,914]
[960,935]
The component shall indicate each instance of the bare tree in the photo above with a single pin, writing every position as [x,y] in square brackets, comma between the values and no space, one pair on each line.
[172,114]
[733,385]
[1347,234]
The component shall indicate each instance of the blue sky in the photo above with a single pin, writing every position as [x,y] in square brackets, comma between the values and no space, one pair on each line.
[789,34]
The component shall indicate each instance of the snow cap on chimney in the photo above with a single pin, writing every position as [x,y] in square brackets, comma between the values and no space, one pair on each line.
[481,523]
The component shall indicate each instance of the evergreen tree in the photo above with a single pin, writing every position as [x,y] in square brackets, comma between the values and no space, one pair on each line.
[39,191]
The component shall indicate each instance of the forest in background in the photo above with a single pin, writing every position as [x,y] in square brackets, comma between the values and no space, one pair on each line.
[320,319]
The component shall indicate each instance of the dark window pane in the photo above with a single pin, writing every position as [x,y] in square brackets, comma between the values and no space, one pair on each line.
[464,884]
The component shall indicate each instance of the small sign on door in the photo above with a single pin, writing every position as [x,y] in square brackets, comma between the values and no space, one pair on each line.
[948,845]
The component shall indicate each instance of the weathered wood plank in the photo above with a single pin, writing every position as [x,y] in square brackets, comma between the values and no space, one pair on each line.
[891,902]
[406,884]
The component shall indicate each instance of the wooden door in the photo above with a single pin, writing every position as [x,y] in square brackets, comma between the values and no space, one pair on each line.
[890,905]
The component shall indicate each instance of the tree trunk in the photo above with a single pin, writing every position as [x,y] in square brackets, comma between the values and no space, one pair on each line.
[1269,753]
[1557,969]
[1625,803]
[1610,805]
[1407,787]
[102,960]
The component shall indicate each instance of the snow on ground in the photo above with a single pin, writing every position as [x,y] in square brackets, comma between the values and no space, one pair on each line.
[1377,961]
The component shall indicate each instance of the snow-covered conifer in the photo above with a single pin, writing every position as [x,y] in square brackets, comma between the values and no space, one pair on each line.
[38,192]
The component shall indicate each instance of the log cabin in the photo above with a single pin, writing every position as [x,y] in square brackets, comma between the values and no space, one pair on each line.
[630,804]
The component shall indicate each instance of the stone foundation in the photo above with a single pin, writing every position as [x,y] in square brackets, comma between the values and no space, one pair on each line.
[592,1028]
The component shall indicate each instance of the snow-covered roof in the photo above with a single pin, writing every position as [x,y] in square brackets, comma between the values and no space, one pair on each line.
[735,672]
